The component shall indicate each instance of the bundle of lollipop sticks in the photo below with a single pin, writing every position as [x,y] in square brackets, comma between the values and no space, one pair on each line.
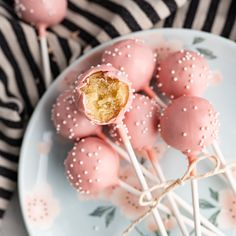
[106,94]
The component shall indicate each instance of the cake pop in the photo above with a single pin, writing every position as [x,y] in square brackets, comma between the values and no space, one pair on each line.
[104,95]
[183,73]
[142,123]
[135,58]
[68,121]
[42,14]
[189,124]
[92,165]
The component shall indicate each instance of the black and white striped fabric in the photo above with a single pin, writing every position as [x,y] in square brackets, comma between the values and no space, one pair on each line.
[87,24]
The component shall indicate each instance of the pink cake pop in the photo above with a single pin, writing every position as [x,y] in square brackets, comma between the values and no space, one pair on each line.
[189,124]
[70,122]
[41,13]
[183,73]
[92,165]
[103,93]
[142,122]
[135,58]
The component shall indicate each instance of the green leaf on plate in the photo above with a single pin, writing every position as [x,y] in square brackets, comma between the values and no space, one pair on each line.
[198,40]
[156,233]
[143,160]
[208,54]
[214,194]
[110,216]
[204,204]
[213,218]
[100,211]
[139,231]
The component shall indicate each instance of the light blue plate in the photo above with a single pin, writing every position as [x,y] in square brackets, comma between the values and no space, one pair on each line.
[51,207]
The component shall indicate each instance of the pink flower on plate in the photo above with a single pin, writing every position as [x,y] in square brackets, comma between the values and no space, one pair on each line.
[227,215]
[41,208]
[169,223]
[216,78]
[127,202]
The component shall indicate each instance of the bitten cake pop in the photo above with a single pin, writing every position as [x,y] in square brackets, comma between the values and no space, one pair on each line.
[68,121]
[103,93]
[189,124]
[42,14]
[92,165]
[134,58]
[183,73]
[142,122]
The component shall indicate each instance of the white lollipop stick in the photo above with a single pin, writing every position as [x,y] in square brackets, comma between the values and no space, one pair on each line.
[177,198]
[45,56]
[195,202]
[228,172]
[172,202]
[141,177]
[196,209]
[153,95]
[129,188]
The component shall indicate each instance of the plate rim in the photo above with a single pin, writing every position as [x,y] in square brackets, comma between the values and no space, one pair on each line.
[65,71]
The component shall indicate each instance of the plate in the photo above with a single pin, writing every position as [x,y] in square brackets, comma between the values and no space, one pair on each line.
[51,207]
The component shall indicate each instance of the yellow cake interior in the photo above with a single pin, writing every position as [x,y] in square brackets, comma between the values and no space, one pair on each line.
[104,96]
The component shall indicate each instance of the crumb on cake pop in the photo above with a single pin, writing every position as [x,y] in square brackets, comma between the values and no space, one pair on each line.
[183,73]
[135,58]
[42,13]
[92,165]
[103,93]
[189,124]
[142,122]
[68,121]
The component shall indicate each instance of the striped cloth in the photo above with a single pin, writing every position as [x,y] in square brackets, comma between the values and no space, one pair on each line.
[87,24]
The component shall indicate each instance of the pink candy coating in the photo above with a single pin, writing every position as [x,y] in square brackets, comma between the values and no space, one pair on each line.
[135,58]
[183,73]
[142,122]
[42,13]
[68,121]
[111,72]
[189,124]
[92,165]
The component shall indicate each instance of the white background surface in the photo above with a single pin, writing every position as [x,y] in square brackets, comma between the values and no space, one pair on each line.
[13,224]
